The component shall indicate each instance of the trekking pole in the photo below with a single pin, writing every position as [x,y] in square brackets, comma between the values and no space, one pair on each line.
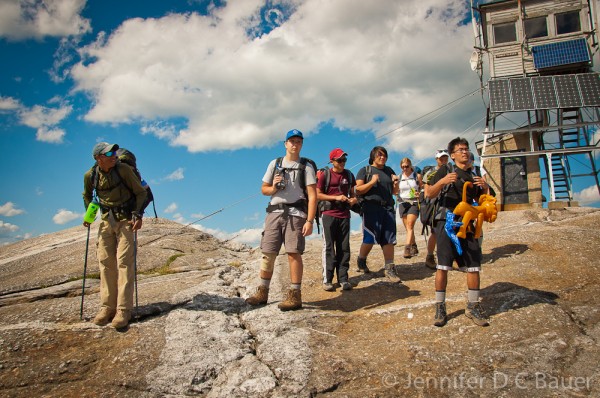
[87,244]
[135,269]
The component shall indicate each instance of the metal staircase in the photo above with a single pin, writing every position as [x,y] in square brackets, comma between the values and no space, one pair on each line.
[569,134]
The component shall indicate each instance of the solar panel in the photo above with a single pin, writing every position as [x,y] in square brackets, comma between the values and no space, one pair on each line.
[520,90]
[543,91]
[499,95]
[589,86]
[567,91]
[560,53]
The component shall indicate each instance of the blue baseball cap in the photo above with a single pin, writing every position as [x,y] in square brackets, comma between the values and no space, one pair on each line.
[294,133]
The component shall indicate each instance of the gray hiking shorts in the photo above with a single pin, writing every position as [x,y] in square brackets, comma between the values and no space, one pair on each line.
[283,229]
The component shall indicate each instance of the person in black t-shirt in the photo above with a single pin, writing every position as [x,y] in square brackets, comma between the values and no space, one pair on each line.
[448,182]
[377,184]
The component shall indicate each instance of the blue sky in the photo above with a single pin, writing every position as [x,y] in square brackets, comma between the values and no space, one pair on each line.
[204,91]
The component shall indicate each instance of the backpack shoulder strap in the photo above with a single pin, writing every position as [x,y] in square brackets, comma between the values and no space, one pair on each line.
[327,174]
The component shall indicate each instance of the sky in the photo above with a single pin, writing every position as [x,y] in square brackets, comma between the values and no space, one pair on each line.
[204,91]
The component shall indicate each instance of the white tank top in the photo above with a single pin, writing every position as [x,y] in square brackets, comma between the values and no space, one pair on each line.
[409,187]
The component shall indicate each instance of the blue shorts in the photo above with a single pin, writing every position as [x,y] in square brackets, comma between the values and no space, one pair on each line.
[379,224]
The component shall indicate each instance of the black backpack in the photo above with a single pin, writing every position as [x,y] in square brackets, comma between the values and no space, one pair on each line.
[303,203]
[324,205]
[429,207]
[126,157]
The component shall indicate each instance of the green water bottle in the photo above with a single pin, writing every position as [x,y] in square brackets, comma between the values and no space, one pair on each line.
[413,193]
[92,210]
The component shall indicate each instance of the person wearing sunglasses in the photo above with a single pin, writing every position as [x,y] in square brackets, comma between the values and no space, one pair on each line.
[449,182]
[408,204]
[121,197]
[377,184]
[335,192]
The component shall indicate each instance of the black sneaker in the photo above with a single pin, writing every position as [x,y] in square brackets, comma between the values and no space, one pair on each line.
[476,313]
[440,315]
[346,286]
[362,265]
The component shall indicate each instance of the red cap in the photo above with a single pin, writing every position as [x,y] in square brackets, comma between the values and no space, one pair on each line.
[336,154]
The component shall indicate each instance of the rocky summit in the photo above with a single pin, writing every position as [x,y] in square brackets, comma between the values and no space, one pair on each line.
[193,334]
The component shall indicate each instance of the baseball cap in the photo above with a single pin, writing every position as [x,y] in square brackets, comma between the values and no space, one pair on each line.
[294,133]
[336,154]
[103,147]
[440,153]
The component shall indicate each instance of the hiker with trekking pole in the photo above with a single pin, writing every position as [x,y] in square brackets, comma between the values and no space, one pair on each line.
[116,187]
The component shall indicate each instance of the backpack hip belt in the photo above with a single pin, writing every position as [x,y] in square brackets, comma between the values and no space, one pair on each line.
[300,205]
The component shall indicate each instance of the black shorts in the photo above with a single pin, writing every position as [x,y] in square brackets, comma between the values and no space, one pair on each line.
[406,208]
[469,261]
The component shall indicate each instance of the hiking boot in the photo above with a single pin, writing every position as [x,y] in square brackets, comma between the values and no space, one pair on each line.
[328,287]
[430,261]
[476,313]
[407,251]
[105,315]
[362,265]
[121,320]
[440,315]
[346,286]
[414,250]
[260,297]
[390,273]
[293,300]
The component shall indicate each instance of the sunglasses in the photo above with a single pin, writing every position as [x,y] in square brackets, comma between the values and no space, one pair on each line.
[341,160]
[109,154]
[405,167]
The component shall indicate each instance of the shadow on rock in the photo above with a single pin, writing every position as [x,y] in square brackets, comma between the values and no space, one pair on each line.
[504,296]
[415,271]
[503,252]
[375,295]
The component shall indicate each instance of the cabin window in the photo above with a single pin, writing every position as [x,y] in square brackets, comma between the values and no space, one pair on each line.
[536,27]
[568,22]
[505,33]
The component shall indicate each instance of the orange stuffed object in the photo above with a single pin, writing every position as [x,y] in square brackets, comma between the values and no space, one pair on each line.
[486,211]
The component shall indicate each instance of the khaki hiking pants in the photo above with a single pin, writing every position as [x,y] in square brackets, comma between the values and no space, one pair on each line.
[115,257]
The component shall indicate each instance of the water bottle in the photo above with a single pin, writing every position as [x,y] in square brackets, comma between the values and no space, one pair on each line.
[92,210]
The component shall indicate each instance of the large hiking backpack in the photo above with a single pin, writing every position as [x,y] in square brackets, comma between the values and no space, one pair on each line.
[125,156]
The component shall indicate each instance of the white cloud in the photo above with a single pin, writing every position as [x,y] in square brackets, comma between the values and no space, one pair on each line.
[23,19]
[176,175]
[6,229]
[588,195]
[178,217]
[8,210]
[249,237]
[64,216]
[171,208]
[9,104]
[351,62]
[45,119]
[41,116]
[53,136]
